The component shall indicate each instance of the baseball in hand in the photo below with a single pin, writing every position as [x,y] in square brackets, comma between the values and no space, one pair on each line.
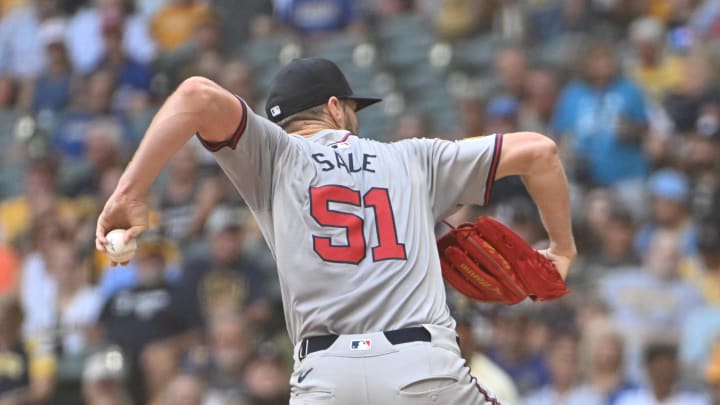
[117,249]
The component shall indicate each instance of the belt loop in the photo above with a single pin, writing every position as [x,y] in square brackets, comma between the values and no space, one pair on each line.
[304,348]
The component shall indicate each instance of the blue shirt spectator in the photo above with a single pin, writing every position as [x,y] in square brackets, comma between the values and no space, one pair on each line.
[589,117]
[69,136]
[317,16]
[603,116]
[91,102]
[52,87]
[51,93]
[132,74]
[528,374]
[127,70]
[700,331]
[117,279]
[670,192]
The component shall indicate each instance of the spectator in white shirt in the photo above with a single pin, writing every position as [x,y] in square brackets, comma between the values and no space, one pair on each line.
[652,300]
[21,46]
[72,307]
[85,39]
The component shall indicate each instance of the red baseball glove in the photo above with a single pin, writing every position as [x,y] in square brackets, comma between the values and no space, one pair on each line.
[489,262]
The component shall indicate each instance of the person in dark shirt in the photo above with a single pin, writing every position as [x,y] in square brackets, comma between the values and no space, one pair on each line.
[148,323]
[684,105]
[14,360]
[186,199]
[219,278]
[511,351]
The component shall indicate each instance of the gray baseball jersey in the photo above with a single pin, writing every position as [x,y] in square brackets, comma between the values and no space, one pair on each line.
[350,221]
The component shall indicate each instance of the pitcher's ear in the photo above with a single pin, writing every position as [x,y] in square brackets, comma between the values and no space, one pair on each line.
[336,111]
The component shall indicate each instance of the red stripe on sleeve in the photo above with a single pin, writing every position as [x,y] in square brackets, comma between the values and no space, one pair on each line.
[493,167]
[232,141]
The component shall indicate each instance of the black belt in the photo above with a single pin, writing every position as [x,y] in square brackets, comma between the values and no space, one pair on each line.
[316,343]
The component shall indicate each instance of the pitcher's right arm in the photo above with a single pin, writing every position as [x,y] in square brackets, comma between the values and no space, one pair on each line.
[198,106]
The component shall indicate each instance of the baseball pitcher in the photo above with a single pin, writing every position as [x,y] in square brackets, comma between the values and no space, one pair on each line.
[350,222]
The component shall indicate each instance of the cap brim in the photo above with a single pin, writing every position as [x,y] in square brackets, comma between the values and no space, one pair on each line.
[362,102]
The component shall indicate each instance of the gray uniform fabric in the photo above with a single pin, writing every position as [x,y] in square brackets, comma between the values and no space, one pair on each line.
[350,222]
[378,372]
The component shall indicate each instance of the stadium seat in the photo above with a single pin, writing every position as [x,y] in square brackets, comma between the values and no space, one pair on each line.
[475,53]
[558,53]
[338,48]
[265,52]
[404,42]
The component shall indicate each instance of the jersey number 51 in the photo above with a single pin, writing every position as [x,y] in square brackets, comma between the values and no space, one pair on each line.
[354,251]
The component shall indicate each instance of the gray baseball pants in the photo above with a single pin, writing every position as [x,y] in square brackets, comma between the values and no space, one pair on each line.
[366,369]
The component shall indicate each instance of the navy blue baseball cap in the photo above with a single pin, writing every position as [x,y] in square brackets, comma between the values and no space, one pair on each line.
[308,82]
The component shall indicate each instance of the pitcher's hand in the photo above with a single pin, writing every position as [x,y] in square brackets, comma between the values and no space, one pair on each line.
[562,262]
[121,212]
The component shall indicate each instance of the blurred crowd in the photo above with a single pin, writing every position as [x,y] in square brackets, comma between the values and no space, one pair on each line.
[628,90]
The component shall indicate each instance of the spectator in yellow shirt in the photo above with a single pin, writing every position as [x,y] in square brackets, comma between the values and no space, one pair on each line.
[26,372]
[6,6]
[656,71]
[40,200]
[174,24]
[703,268]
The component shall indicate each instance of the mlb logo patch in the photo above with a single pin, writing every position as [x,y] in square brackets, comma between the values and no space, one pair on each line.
[363,344]
[341,145]
[275,111]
